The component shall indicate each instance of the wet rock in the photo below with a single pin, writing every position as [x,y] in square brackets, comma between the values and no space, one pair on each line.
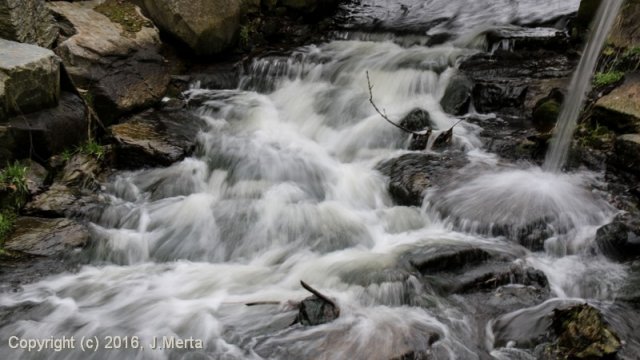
[626,153]
[36,176]
[492,276]
[315,311]
[27,21]
[417,120]
[586,13]
[429,260]
[620,240]
[526,38]
[46,237]
[547,110]
[457,95]
[207,26]
[73,191]
[50,131]
[310,6]
[415,355]
[582,334]
[630,292]
[117,63]
[410,175]
[155,138]
[29,78]
[620,110]
[491,96]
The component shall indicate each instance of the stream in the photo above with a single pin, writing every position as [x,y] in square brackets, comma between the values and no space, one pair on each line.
[285,185]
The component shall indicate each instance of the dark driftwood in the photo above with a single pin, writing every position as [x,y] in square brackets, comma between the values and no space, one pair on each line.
[318,294]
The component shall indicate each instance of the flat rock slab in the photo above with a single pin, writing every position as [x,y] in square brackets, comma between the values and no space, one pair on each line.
[46,237]
[120,67]
[155,138]
[27,21]
[620,109]
[29,78]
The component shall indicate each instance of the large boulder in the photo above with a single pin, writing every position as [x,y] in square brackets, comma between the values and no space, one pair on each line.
[27,21]
[46,132]
[29,78]
[112,52]
[207,26]
[620,109]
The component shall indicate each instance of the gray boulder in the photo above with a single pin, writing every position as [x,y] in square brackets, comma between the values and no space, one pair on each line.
[206,26]
[112,52]
[29,78]
[27,21]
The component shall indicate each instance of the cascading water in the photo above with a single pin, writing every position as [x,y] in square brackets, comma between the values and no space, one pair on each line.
[580,84]
[285,187]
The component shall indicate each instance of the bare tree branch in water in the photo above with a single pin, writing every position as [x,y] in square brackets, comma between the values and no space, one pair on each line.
[384,115]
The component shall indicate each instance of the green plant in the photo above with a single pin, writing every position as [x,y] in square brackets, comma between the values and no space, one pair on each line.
[14,177]
[7,220]
[244,35]
[66,155]
[602,79]
[91,148]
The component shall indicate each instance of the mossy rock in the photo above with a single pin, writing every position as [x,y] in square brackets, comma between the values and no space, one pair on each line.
[583,334]
[124,13]
[545,114]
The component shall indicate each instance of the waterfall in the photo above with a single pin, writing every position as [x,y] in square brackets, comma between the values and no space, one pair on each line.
[568,119]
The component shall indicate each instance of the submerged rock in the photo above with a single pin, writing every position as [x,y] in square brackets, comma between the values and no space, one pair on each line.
[29,78]
[27,21]
[117,63]
[46,237]
[155,138]
[582,334]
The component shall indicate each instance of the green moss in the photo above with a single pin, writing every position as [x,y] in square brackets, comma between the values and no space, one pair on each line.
[598,137]
[124,13]
[603,79]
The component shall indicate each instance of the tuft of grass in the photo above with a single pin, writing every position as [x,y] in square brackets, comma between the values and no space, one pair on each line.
[603,79]
[14,177]
[91,148]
